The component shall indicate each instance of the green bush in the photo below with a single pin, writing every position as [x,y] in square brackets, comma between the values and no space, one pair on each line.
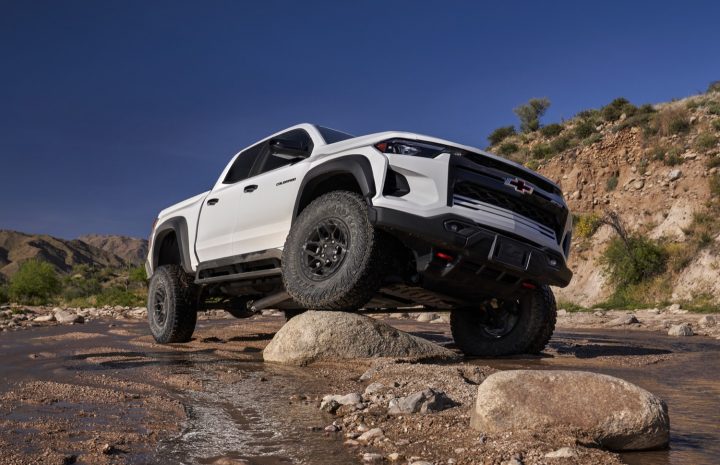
[584,129]
[508,148]
[551,130]
[586,225]
[541,151]
[635,261]
[612,111]
[706,141]
[560,144]
[672,157]
[119,296]
[714,86]
[714,108]
[530,113]
[533,164]
[597,137]
[500,134]
[4,297]
[35,282]
[611,183]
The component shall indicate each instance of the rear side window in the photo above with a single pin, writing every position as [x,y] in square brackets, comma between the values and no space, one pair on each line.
[243,164]
[331,135]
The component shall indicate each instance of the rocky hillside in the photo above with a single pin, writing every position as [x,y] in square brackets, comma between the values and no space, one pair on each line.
[17,247]
[657,167]
[131,249]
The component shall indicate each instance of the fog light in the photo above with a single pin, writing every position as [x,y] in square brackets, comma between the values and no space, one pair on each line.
[552,262]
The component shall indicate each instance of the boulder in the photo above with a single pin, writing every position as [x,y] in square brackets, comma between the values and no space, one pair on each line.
[427,317]
[66,317]
[609,411]
[706,321]
[316,335]
[683,329]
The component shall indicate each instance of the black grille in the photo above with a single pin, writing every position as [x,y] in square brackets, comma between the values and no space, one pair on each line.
[498,199]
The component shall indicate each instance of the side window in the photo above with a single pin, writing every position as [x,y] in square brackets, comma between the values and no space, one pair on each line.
[297,143]
[243,164]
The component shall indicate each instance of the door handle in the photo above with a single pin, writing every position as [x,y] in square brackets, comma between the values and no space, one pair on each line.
[213,201]
[251,188]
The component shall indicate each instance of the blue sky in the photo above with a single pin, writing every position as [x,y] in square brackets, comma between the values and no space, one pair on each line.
[112,110]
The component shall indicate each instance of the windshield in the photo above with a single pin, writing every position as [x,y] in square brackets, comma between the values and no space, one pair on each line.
[331,136]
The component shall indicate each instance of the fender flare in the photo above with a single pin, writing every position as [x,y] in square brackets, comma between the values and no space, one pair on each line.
[356,165]
[178,225]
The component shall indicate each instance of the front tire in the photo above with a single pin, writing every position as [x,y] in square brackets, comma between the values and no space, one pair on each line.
[172,306]
[506,327]
[332,259]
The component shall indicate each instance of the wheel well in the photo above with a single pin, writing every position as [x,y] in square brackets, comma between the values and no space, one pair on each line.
[325,184]
[169,252]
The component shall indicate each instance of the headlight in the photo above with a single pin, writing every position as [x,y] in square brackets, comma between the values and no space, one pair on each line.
[410,147]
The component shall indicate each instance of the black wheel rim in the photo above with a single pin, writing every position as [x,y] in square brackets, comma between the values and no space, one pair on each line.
[498,318]
[325,248]
[160,306]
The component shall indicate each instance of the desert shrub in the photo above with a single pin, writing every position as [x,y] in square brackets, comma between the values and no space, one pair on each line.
[119,296]
[714,183]
[612,111]
[533,164]
[611,183]
[597,137]
[508,148]
[584,129]
[672,157]
[657,153]
[500,134]
[642,165]
[642,117]
[716,124]
[551,130]
[714,86]
[713,108]
[713,161]
[137,275]
[530,113]
[672,121]
[76,287]
[4,295]
[561,144]
[35,282]
[586,225]
[541,151]
[591,114]
[706,141]
[633,260]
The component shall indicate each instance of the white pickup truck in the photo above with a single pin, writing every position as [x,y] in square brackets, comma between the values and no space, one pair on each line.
[313,218]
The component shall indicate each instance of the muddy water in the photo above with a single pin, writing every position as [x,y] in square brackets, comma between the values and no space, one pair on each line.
[684,372]
[244,412]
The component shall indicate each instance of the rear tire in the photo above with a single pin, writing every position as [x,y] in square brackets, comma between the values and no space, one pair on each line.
[512,328]
[332,258]
[172,305]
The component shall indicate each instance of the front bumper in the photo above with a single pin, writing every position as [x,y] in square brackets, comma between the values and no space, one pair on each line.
[481,257]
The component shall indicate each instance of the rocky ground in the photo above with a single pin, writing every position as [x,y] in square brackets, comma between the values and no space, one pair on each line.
[90,386]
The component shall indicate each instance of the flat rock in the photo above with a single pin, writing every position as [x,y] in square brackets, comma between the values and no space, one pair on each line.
[683,329]
[427,317]
[320,335]
[623,320]
[45,318]
[609,411]
[562,453]
[426,401]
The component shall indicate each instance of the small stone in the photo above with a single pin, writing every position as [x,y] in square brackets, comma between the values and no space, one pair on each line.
[351,443]
[707,321]
[107,449]
[332,429]
[674,175]
[513,461]
[371,435]
[426,401]
[373,458]
[45,318]
[683,329]
[562,453]
[562,312]
[421,462]
[330,406]
[395,457]
[373,388]
[427,317]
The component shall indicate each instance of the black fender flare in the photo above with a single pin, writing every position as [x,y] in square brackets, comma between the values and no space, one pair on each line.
[178,225]
[356,165]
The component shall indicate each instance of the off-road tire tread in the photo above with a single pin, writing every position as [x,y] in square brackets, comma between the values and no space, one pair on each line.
[183,313]
[352,287]
[546,306]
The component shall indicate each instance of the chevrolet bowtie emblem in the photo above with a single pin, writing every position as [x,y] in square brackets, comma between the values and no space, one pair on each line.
[519,185]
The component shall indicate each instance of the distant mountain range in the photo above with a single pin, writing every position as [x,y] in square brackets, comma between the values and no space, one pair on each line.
[96,250]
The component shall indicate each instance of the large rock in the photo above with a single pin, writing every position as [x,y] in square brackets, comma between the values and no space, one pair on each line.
[318,335]
[65,317]
[614,413]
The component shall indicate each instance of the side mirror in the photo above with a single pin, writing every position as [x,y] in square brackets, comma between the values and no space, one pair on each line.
[288,149]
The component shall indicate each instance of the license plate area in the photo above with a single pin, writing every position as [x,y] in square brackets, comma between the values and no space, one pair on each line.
[510,253]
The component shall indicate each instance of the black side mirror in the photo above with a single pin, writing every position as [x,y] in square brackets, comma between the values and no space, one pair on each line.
[289,149]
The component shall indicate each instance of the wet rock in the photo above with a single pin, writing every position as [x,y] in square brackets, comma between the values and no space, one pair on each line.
[612,412]
[372,458]
[339,335]
[347,399]
[44,318]
[374,434]
[66,317]
[708,321]
[426,401]
[623,320]
[683,329]
[330,406]
[562,453]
